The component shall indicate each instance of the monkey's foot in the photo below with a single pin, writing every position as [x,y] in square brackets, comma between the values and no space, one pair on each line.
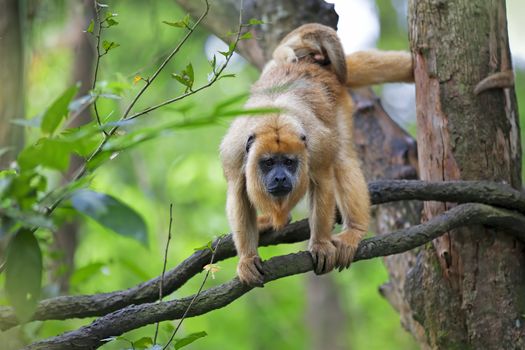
[250,271]
[323,255]
[346,244]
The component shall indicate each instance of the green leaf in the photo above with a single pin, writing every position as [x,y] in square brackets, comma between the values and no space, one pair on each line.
[184,23]
[84,273]
[49,153]
[189,72]
[213,63]
[187,340]
[226,76]
[255,21]
[245,36]
[143,343]
[57,111]
[204,247]
[109,45]
[111,22]
[90,27]
[111,213]
[231,47]
[23,279]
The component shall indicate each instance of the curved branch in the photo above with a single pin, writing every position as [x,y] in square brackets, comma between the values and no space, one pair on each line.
[135,316]
[492,193]
[65,307]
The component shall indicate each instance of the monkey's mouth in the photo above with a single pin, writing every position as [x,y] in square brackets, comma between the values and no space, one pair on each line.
[280,191]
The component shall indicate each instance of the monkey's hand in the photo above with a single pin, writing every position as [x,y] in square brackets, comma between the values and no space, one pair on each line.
[346,244]
[250,271]
[324,256]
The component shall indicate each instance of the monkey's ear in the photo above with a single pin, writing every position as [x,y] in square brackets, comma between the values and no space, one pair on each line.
[303,138]
[251,138]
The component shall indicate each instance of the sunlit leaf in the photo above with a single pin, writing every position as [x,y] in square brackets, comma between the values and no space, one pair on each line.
[143,343]
[137,79]
[189,72]
[111,213]
[212,268]
[23,277]
[245,36]
[226,76]
[184,23]
[58,110]
[90,27]
[109,45]
[187,340]
[255,21]
[111,22]
[204,247]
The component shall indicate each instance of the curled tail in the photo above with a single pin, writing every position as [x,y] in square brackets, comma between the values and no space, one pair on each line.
[319,44]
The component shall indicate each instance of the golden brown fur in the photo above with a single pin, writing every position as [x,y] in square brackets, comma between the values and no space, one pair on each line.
[315,125]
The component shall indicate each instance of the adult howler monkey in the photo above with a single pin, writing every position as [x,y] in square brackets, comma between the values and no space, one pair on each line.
[270,162]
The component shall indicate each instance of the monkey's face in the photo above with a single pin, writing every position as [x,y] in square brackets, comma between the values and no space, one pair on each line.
[276,168]
[278,173]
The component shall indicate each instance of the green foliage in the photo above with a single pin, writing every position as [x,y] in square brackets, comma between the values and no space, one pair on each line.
[187,340]
[23,273]
[183,23]
[57,111]
[110,212]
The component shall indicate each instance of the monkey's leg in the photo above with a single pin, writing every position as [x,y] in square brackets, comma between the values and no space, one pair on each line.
[354,204]
[322,201]
[243,221]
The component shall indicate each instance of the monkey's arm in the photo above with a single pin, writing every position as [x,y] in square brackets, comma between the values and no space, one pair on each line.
[377,67]
[322,204]
[243,222]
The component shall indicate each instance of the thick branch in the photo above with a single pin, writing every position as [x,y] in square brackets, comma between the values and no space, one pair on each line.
[66,307]
[136,316]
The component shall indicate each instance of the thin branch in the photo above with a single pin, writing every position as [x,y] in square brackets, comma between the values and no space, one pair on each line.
[164,269]
[65,307]
[97,61]
[214,251]
[135,316]
[82,170]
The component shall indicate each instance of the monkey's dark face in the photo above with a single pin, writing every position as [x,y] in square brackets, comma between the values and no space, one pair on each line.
[279,173]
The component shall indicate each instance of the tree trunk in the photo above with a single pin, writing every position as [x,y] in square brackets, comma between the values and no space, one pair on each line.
[66,237]
[467,289]
[12,78]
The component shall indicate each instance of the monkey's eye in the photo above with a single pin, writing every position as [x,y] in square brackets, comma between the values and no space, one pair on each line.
[288,162]
[269,162]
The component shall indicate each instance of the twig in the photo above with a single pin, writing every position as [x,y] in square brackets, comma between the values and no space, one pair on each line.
[164,270]
[216,76]
[214,250]
[149,81]
[97,61]
[65,307]
[135,316]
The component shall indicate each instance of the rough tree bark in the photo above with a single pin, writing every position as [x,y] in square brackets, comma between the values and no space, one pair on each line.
[468,288]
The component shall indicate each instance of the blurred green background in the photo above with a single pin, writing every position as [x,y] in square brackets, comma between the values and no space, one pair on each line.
[183,168]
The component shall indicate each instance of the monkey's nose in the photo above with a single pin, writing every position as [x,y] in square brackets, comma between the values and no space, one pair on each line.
[280,179]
